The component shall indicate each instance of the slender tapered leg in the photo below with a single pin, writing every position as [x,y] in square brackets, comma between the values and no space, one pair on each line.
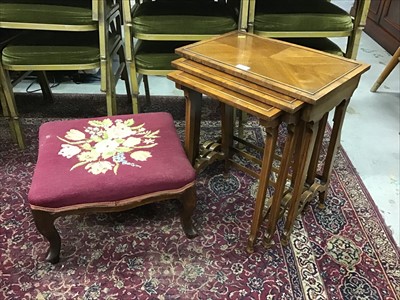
[312,170]
[188,200]
[44,222]
[192,127]
[271,129]
[147,89]
[334,142]
[281,182]
[45,87]
[308,133]
[227,120]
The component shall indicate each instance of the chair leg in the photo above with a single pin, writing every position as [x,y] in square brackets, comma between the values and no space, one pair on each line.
[12,107]
[147,89]
[125,75]
[361,9]
[389,68]
[188,200]
[134,86]
[44,222]
[110,89]
[45,87]
[111,101]
[353,43]
[6,114]
[125,78]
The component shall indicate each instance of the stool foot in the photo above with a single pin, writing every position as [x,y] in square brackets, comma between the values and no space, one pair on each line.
[189,230]
[44,222]
[53,255]
[188,201]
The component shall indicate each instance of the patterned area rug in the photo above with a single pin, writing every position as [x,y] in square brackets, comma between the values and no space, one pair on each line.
[342,252]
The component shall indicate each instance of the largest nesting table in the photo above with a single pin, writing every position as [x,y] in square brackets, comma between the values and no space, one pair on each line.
[280,83]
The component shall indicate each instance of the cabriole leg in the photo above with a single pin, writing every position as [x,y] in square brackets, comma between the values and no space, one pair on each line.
[188,200]
[44,222]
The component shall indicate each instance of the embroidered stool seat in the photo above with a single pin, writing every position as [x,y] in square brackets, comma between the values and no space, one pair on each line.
[108,164]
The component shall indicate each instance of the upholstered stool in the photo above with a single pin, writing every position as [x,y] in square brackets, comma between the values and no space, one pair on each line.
[108,164]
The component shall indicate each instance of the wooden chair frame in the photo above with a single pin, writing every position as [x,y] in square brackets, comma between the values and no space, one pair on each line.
[57,27]
[131,47]
[110,44]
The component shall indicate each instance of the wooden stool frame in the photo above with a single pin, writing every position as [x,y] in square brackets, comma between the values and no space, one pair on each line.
[44,218]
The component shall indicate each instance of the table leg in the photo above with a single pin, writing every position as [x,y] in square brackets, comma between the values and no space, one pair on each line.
[312,170]
[227,125]
[271,129]
[308,132]
[334,142]
[192,126]
[281,180]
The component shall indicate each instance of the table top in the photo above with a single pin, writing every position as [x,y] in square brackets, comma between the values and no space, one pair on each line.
[297,71]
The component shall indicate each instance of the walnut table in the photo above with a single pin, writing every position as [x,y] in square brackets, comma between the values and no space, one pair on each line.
[302,85]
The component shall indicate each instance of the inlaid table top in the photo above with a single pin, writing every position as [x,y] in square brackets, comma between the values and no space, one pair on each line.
[293,70]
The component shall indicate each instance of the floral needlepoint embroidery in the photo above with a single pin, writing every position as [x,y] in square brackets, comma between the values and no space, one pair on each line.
[106,145]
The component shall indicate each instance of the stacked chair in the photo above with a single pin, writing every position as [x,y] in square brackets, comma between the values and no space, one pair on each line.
[62,35]
[153,29]
[309,23]
[5,37]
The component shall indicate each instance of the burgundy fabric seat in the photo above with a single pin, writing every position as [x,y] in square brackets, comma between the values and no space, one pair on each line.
[108,164]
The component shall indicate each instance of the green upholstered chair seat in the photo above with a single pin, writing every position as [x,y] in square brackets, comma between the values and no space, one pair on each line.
[183,17]
[322,44]
[53,48]
[301,15]
[46,12]
[156,55]
[42,55]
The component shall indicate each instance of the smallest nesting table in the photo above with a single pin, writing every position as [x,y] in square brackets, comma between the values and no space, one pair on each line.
[277,82]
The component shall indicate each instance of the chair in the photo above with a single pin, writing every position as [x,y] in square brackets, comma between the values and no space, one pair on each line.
[108,164]
[156,28]
[79,35]
[8,35]
[311,19]
[388,69]
[5,37]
